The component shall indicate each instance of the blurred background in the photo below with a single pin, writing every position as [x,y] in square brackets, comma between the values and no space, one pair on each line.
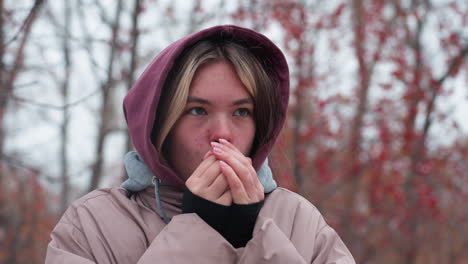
[377,130]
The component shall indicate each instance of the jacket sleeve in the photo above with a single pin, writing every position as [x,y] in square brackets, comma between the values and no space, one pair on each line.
[329,248]
[310,240]
[179,242]
[68,245]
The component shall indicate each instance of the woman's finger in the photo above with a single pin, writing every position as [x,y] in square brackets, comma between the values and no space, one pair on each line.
[241,166]
[257,190]
[204,165]
[208,177]
[258,187]
[225,199]
[229,147]
[239,195]
[203,176]
[218,187]
[208,154]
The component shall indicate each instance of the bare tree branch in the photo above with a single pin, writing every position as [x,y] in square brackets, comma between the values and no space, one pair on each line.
[135,33]
[7,78]
[30,16]
[106,110]
[56,107]
[65,114]
[88,41]
[455,63]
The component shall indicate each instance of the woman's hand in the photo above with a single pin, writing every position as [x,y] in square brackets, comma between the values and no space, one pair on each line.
[241,177]
[209,183]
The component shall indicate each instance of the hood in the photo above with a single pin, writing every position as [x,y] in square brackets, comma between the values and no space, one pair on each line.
[141,102]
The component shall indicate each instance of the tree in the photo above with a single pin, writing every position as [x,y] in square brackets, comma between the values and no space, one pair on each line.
[382,174]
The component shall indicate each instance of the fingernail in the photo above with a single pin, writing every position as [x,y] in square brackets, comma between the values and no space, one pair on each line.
[223,164]
[222,140]
[216,144]
[217,150]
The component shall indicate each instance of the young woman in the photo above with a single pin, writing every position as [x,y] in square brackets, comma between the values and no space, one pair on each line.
[203,118]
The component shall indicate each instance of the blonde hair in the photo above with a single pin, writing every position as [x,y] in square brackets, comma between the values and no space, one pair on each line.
[250,71]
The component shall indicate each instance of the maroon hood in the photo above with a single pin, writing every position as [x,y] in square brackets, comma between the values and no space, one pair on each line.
[141,102]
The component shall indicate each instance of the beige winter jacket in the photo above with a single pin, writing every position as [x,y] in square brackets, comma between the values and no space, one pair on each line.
[107,227]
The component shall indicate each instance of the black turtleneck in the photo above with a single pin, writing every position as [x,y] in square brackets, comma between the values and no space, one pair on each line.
[235,223]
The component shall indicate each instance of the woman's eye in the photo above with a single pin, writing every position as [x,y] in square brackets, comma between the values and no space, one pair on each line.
[197,111]
[242,112]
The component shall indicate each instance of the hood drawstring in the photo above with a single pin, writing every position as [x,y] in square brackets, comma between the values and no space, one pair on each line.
[156,183]
[140,178]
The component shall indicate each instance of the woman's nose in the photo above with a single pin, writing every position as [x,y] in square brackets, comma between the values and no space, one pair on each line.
[221,128]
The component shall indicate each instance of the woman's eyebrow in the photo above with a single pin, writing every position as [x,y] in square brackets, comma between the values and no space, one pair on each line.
[194,99]
[243,101]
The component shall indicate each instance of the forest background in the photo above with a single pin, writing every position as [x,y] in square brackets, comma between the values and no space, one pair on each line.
[377,131]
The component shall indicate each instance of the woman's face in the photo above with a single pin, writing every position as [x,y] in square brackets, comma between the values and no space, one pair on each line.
[218,106]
